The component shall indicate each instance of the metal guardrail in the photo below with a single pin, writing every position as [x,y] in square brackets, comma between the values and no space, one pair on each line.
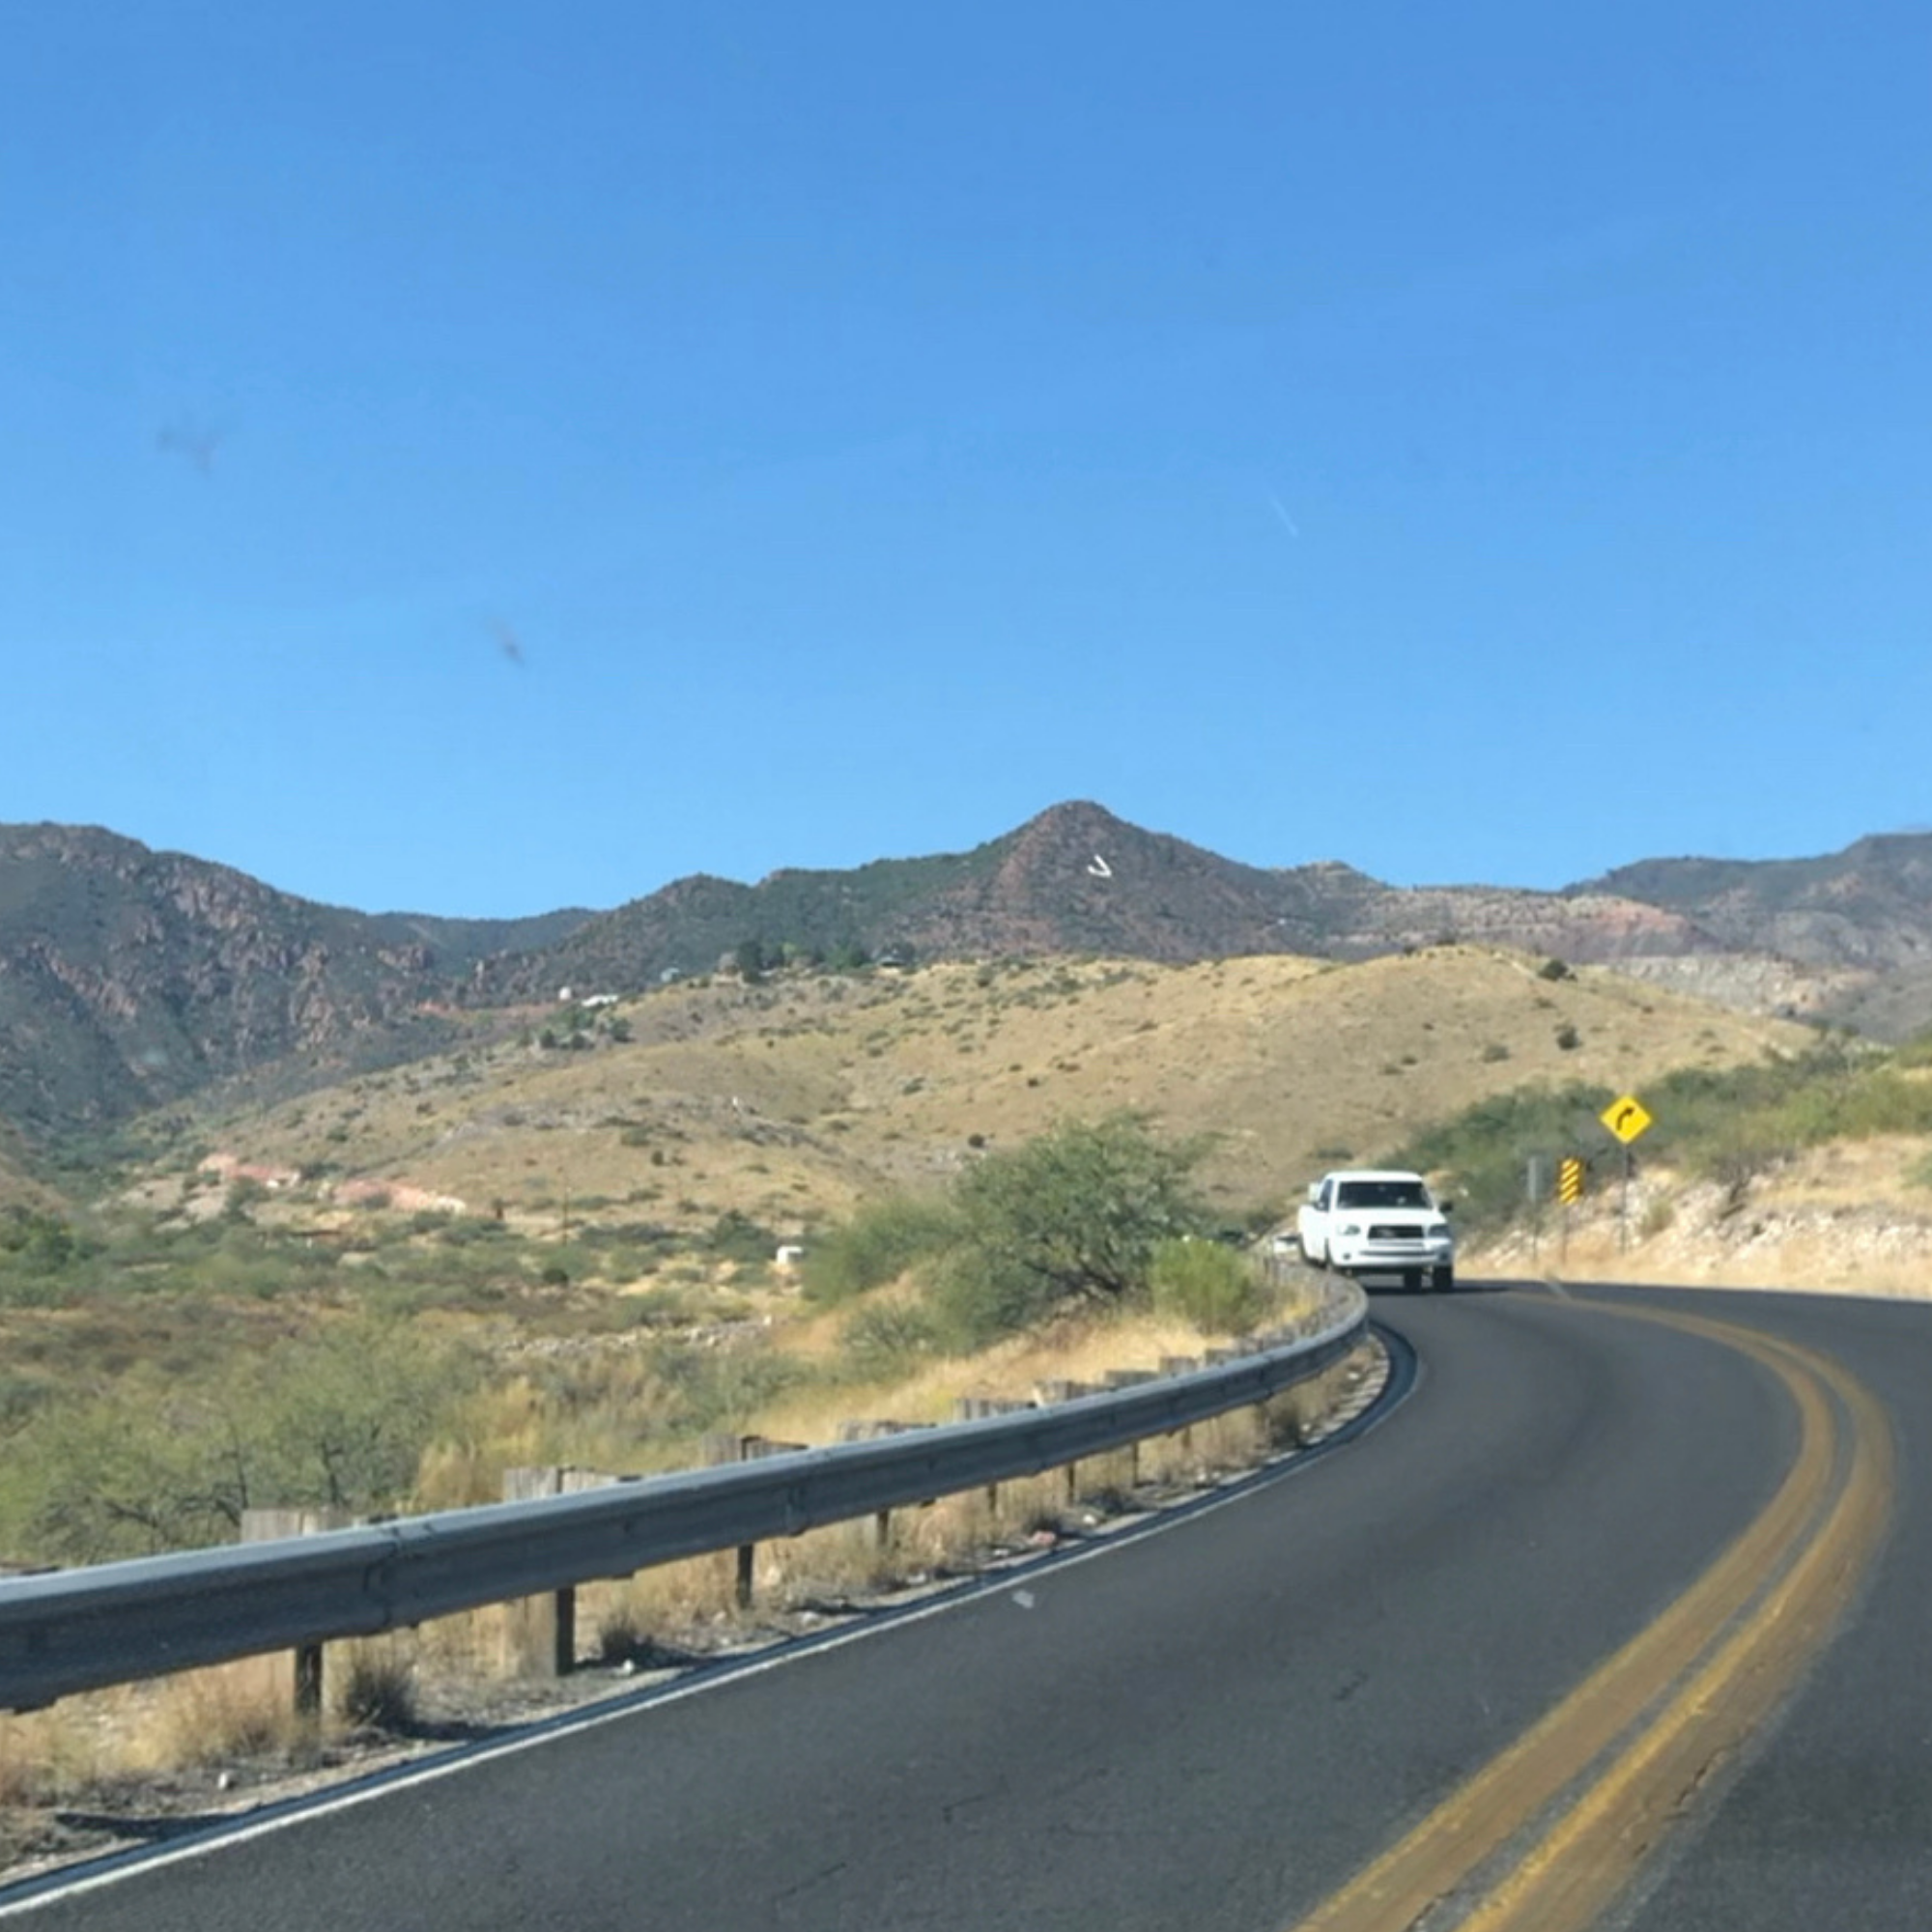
[115,1622]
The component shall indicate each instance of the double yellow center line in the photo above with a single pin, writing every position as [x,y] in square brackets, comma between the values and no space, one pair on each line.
[1549,1833]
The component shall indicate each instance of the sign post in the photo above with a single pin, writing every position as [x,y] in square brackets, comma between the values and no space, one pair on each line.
[1626,1118]
[1536,1185]
[1569,1191]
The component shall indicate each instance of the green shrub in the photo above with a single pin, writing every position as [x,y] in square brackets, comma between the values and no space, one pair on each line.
[737,1237]
[723,1388]
[1210,1286]
[164,1462]
[1078,1211]
[885,1340]
[975,1300]
[878,1244]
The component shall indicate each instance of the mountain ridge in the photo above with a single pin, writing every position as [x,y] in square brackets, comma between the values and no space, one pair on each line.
[131,978]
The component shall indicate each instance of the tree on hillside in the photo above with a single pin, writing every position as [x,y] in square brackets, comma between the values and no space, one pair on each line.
[341,1418]
[1076,1213]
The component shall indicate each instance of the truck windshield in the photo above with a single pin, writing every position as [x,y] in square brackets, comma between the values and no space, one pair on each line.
[1382,1194]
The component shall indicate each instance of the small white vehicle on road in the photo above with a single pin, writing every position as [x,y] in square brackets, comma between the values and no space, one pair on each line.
[1377,1221]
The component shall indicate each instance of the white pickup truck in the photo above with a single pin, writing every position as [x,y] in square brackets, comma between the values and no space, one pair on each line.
[1377,1221]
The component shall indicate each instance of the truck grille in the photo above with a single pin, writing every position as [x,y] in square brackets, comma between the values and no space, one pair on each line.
[1396,1231]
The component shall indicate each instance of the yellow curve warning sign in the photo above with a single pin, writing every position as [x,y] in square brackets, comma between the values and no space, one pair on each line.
[1625,1117]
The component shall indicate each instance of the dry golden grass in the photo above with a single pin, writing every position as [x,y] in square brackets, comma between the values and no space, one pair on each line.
[232,1714]
[789,1102]
[1011,1369]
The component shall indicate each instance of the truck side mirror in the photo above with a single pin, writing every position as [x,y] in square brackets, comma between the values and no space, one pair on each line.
[1445,1206]
[1314,1191]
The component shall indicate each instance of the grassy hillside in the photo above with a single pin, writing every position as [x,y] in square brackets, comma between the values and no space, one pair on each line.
[786,1102]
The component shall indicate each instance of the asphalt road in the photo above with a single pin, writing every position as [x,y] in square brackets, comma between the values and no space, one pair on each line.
[1221,1726]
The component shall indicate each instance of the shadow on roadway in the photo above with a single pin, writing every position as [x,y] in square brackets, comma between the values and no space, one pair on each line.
[1378,1287]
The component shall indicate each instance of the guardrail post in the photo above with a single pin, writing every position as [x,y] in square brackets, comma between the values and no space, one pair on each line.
[970,1408]
[1123,1379]
[1181,1365]
[539,1633]
[746,1449]
[270,1525]
[1058,1389]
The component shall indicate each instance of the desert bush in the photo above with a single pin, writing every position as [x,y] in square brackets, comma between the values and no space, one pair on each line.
[721,1388]
[1725,1123]
[974,1302]
[1075,1213]
[1209,1286]
[1485,1148]
[886,1340]
[878,1244]
[375,1688]
[154,1463]
[737,1237]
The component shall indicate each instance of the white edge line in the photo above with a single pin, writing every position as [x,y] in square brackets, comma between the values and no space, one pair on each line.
[383,1784]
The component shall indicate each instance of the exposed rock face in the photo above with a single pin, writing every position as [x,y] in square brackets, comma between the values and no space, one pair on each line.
[1855,927]
[1869,906]
[129,977]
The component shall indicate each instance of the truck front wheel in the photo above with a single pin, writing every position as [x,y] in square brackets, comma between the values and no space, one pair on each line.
[1442,1280]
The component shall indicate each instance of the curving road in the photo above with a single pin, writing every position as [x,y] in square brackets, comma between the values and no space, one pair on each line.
[1616,1620]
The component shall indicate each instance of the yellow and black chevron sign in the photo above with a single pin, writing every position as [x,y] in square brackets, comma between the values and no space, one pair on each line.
[1569,1180]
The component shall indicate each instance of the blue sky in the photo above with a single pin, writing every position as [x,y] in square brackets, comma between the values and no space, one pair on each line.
[1477,442]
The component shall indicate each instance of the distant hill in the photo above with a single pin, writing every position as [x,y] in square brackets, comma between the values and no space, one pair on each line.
[129,978]
[1869,906]
[1074,880]
[1856,927]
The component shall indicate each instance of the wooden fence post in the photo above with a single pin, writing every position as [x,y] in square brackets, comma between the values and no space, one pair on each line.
[270,1525]
[539,1633]
[719,1448]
